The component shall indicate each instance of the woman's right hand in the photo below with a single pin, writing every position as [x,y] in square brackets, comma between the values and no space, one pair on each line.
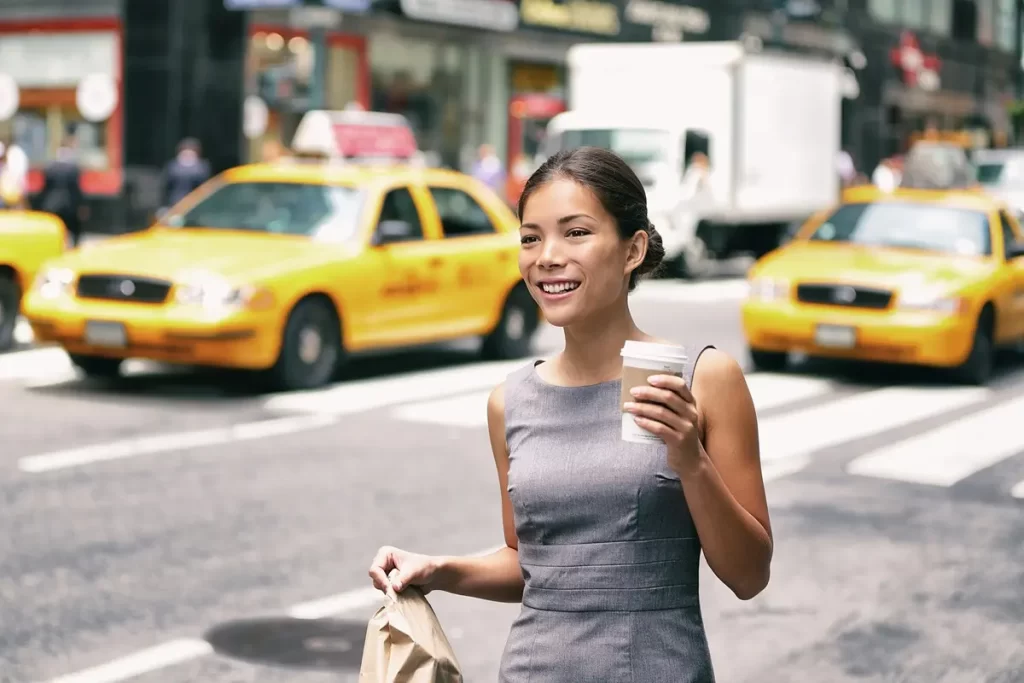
[413,569]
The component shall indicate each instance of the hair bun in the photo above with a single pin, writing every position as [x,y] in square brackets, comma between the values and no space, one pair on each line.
[655,251]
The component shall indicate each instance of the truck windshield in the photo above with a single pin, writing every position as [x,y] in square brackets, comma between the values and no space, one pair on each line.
[635,145]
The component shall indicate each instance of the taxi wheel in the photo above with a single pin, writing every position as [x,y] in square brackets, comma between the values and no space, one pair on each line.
[311,347]
[769,361]
[97,366]
[513,336]
[977,369]
[10,299]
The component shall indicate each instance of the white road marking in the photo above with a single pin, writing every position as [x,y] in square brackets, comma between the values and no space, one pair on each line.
[467,410]
[23,332]
[951,453]
[470,410]
[41,363]
[730,289]
[364,395]
[803,432]
[1018,490]
[178,441]
[142,662]
[777,469]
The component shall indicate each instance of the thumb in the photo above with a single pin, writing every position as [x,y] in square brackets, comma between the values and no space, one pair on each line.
[397,579]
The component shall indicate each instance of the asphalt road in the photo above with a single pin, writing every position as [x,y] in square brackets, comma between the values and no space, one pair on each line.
[176,527]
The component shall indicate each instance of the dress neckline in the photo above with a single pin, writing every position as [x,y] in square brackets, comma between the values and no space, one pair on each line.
[597,385]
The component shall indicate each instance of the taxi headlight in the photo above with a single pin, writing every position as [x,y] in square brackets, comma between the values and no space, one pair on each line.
[54,283]
[212,291]
[768,289]
[930,300]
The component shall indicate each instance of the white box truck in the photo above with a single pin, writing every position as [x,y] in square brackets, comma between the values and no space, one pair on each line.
[769,125]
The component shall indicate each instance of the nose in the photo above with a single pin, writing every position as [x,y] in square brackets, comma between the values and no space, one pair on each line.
[551,255]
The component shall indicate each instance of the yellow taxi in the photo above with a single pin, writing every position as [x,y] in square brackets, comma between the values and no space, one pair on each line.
[292,268]
[27,240]
[913,276]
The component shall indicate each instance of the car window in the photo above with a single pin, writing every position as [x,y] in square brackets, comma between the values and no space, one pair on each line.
[303,209]
[900,225]
[398,205]
[460,214]
[1009,236]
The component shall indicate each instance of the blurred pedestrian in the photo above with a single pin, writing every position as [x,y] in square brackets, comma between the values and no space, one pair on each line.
[886,176]
[62,189]
[183,174]
[488,168]
[846,168]
[603,537]
[13,176]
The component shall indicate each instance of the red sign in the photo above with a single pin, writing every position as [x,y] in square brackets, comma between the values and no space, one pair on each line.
[918,68]
[369,140]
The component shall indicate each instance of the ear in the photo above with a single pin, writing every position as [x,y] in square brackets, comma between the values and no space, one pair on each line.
[636,251]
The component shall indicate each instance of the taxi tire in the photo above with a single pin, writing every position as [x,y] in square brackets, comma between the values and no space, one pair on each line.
[977,369]
[769,361]
[501,344]
[10,303]
[291,373]
[99,367]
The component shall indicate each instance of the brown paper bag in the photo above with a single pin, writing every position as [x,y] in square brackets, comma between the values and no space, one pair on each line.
[406,644]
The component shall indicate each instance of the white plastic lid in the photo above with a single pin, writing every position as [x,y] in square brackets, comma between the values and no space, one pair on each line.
[667,352]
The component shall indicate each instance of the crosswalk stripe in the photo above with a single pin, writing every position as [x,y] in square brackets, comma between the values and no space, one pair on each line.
[705,291]
[769,390]
[1018,490]
[951,453]
[802,432]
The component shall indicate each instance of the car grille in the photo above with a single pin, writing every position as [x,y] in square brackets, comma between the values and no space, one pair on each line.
[123,288]
[844,295]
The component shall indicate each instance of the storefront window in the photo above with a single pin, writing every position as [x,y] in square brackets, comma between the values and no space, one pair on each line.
[940,17]
[48,69]
[422,80]
[1006,24]
[280,72]
[986,16]
[885,11]
[915,13]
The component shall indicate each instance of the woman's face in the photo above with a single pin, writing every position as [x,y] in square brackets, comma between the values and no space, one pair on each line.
[571,256]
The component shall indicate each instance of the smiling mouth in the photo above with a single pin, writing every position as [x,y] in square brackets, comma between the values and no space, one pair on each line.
[558,287]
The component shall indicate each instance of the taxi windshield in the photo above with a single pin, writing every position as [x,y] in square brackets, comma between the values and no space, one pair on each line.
[896,225]
[990,173]
[279,208]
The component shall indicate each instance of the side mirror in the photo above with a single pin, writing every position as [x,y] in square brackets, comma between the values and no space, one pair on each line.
[389,232]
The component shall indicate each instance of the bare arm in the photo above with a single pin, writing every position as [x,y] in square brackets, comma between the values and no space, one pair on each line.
[724,488]
[497,576]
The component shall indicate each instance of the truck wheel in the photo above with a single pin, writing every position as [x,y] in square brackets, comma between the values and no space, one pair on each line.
[310,346]
[10,306]
[980,363]
[768,361]
[97,367]
[513,336]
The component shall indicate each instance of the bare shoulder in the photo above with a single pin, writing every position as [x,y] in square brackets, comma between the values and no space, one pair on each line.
[496,405]
[496,424]
[719,384]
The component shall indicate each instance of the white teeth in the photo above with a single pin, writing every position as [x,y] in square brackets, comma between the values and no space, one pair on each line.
[559,287]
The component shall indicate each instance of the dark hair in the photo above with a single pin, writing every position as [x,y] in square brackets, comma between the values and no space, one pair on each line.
[617,188]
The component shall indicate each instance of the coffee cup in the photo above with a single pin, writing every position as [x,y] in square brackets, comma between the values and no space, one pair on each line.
[641,360]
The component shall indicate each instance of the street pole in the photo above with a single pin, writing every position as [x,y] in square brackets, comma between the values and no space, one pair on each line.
[318,43]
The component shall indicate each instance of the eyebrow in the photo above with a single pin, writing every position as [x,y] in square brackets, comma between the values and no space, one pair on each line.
[561,221]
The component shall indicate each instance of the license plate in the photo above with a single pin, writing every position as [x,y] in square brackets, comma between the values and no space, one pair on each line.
[835,336]
[105,334]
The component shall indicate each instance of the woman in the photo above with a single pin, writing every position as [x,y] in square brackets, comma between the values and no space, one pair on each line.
[603,537]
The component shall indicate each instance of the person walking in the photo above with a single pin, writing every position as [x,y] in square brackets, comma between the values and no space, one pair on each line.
[183,174]
[62,193]
[603,537]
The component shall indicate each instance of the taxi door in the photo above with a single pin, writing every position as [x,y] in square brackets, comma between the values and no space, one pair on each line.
[403,270]
[482,257]
[1013,235]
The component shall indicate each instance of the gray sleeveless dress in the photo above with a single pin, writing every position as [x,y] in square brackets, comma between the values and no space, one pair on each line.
[606,544]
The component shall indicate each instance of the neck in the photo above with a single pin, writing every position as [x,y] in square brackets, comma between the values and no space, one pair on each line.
[592,349]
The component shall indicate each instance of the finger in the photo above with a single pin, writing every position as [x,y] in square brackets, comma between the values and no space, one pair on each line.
[658,413]
[383,562]
[659,429]
[666,397]
[672,383]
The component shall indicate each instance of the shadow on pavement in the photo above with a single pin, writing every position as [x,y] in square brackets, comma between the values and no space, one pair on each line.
[318,644]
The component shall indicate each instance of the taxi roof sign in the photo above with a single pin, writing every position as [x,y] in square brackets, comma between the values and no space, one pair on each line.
[357,135]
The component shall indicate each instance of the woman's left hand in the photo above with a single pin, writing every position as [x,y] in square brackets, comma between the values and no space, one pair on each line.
[668,410]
